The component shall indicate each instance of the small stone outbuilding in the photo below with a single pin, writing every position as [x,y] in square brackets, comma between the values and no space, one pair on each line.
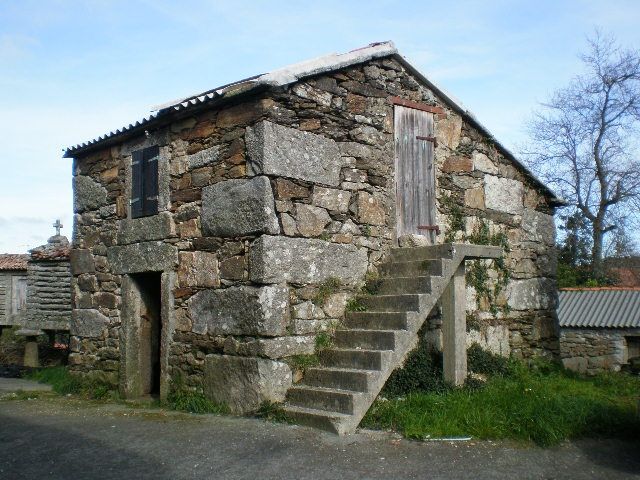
[48,301]
[599,328]
[214,240]
[13,288]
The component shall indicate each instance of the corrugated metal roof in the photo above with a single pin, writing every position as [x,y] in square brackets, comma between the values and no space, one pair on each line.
[599,307]
[294,73]
[13,261]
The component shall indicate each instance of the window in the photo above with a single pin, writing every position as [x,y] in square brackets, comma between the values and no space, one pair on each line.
[144,182]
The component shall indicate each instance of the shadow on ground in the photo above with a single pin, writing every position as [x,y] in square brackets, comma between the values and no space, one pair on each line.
[614,455]
[36,451]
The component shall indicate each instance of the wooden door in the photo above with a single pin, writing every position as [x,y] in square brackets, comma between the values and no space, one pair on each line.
[415,172]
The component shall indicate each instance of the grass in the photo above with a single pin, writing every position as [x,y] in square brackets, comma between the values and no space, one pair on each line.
[326,289]
[302,362]
[193,402]
[180,399]
[541,403]
[63,383]
[272,412]
[323,341]
[354,305]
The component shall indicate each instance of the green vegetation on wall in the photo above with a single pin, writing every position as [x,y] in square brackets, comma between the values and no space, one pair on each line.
[488,285]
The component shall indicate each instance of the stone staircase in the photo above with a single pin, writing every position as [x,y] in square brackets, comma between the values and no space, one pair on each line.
[372,343]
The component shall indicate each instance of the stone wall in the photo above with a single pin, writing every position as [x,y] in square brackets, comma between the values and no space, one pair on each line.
[594,350]
[5,279]
[266,203]
[49,287]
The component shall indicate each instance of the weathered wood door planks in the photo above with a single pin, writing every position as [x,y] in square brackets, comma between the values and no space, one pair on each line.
[415,173]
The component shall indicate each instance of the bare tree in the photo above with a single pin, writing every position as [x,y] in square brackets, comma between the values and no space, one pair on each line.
[585,141]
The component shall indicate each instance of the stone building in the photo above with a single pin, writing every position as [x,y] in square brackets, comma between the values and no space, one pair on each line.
[599,328]
[48,301]
[13,288]
[215,239]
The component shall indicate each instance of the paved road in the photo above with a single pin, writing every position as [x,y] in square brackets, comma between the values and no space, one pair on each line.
[9,385]
[64,438]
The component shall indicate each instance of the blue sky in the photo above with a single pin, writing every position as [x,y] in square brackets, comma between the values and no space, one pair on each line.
[73,70]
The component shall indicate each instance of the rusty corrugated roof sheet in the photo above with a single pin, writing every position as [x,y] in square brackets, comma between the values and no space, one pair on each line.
[13,261]
[601,307]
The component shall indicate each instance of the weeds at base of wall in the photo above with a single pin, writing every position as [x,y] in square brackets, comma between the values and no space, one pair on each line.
[273,412]
[183,399]
[64,383]
[193,402]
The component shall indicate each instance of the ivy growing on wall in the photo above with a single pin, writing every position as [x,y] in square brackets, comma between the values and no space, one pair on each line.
[487,286]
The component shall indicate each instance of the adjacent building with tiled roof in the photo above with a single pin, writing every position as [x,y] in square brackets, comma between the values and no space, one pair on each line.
[13,261]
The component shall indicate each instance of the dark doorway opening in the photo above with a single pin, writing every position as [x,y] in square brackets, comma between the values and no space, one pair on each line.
[150,331]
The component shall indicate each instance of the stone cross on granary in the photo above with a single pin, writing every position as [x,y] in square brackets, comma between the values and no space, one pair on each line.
[58,226]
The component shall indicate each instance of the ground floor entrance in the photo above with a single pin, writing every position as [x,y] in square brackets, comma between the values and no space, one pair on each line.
[142,334]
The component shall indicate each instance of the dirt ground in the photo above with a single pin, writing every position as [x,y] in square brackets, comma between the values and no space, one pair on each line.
[58,437]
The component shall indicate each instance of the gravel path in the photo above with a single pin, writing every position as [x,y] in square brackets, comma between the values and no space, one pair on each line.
[55,437]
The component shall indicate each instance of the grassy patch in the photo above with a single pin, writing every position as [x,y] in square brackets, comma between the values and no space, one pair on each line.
[63,383]
[273,412]
[184,399]
[541,403]
[21,395]
[193,402]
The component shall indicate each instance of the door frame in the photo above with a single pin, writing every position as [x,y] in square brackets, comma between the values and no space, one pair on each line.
[425,136]
[130,375]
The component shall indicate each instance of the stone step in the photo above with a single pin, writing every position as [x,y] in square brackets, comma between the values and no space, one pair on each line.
[320,398]
[366,339]
[411,268]
[354,358]
[324,420]
[340,378]
[376,320]
[400,285]
[421,253]
[390,303]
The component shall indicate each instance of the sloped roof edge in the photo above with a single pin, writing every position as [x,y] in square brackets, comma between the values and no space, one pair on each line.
[13,261]
[599,308]
[295,72]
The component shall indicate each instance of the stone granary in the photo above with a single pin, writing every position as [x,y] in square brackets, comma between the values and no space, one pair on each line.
[13,288]
[215,239]
[48,305]
[599,328]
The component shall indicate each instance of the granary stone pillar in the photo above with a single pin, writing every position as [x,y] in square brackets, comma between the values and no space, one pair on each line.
[454,329]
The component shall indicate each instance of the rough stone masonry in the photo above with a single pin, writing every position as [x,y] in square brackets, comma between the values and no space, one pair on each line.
[266,194]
